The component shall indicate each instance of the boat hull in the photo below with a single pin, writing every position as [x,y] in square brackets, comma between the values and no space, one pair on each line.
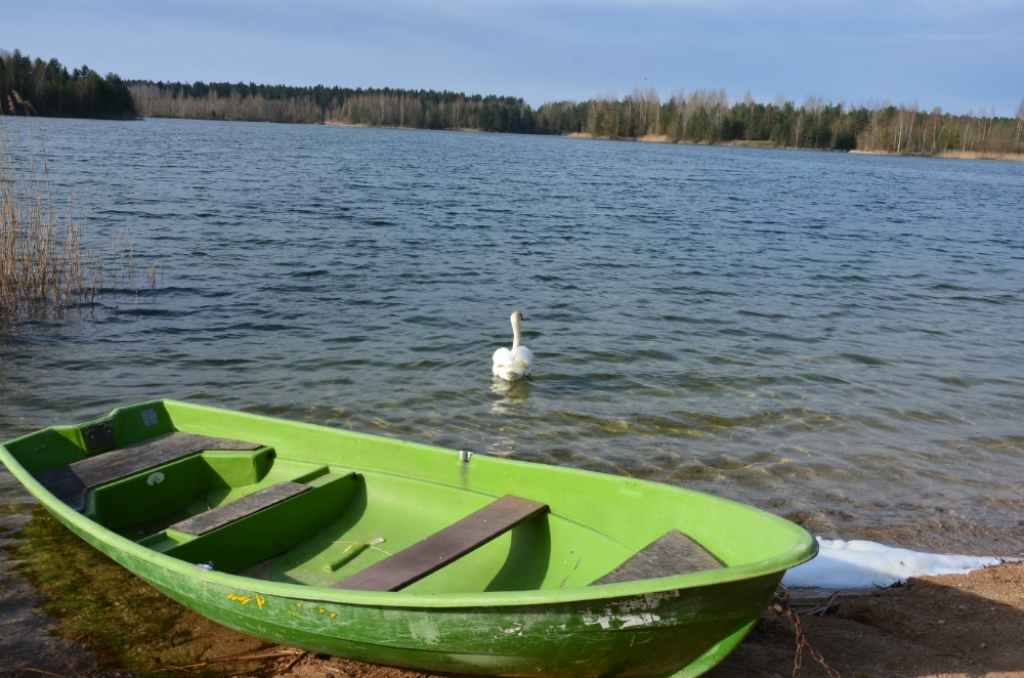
[661,627]
[671,632]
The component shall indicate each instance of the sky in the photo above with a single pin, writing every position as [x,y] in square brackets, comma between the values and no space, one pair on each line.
[959,55]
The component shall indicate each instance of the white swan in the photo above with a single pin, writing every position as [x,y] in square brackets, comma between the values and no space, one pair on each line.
[518,362]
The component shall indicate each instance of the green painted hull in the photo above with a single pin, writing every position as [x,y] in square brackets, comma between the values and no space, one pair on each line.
[519,606]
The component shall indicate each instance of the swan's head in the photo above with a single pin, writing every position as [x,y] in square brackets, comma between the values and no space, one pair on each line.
[516,317]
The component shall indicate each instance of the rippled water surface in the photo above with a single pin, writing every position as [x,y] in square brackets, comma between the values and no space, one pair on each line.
[836,338]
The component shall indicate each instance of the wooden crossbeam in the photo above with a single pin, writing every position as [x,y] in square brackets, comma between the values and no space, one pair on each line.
[71,483]
[441,548]
[669,555]
[225,514]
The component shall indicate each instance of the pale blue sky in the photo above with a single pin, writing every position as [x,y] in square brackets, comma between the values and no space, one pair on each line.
[948,53]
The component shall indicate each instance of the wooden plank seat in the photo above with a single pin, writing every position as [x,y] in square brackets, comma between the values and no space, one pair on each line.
[72,483]
[669,555]
[441,548]
[225,514]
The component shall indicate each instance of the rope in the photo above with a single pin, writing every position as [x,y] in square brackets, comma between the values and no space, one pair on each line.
[780,606]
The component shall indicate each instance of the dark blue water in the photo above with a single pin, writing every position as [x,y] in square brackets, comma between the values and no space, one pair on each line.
[836,338]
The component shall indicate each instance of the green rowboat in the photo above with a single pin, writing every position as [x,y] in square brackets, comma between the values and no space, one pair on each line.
[405,554]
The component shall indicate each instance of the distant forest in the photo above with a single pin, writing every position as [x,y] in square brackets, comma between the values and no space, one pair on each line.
[700,116]
[52,91]
[421,109]
[697,117]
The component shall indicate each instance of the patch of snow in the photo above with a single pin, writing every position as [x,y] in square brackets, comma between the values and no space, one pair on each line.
[866,564]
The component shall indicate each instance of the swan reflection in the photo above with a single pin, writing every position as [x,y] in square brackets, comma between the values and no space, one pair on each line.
[513,392]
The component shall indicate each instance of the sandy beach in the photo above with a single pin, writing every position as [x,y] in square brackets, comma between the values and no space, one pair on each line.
[956,155]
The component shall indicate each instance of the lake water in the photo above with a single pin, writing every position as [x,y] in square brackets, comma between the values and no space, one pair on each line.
[835,338]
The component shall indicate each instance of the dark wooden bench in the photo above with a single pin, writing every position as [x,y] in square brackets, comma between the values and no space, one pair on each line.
[225,514]
[669,555]
[72,483]
[441,548]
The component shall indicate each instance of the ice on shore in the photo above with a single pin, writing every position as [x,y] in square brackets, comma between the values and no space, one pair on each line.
[865,564]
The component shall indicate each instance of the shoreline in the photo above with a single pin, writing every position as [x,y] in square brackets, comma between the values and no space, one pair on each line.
[740,143]
[94,618]
[660,139]
[951,155]
[737,143]
[339,123]
[952,626]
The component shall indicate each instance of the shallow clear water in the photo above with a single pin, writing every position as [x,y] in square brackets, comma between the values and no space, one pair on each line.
[836,338]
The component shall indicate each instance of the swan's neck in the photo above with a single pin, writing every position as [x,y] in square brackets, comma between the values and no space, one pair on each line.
[515,333]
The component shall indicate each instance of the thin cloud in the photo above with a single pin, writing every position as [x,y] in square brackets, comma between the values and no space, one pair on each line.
[948,53]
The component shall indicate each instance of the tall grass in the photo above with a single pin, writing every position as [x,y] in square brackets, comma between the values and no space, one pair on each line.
[44,269]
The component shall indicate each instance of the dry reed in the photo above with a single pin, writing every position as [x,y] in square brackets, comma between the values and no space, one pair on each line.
[43,268]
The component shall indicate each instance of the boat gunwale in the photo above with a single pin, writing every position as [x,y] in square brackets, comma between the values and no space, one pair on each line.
[803,551]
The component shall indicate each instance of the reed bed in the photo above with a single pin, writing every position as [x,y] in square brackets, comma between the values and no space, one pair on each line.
[44,269]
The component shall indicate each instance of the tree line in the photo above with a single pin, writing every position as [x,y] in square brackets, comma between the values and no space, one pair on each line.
[51,90]
[699,116]
[704,116]
[385,107]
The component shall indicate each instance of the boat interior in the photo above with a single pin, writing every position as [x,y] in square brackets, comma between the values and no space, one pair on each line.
[249,509]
